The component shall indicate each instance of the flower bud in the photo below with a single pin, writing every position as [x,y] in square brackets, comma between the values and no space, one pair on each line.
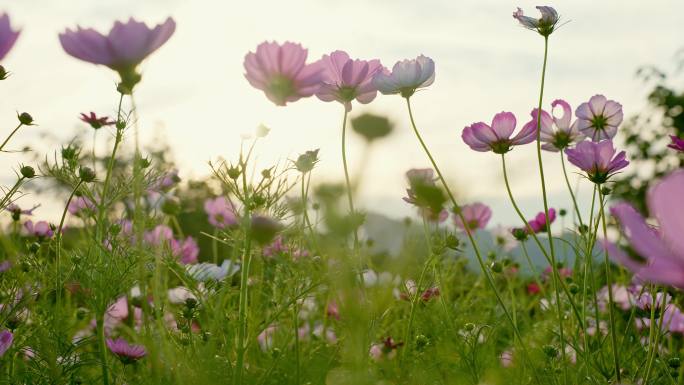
[144,163]
[263,229]
[605,191]
[307,161]
[469,327]
[69,153]
[262,131]
[674,362]
[34,247]
[266,173]
[550,351]
[519,234]
[573,288]
[422,341]
[120,124]
[452,242]
[234,172]
[27,172]
[191,303]
[371,127]
[86,174]
[496,267]
[25,119]
[171,206]
[562,212]
[3,73]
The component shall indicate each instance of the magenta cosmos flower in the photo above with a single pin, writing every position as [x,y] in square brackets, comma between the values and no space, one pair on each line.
[6,338]
[545,25]
[127,353]
[96,122]
[8,36]
[662,247]
[497,137]
[221,212]
[281,72]
[40,229]
[345,79]
[476,216]
[558,133]
[538,224]
[126,46]
[599,118]
[406,77]
[598,160]
[677,143]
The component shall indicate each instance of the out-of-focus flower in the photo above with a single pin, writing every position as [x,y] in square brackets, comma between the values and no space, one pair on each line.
[158,236]
[306,161]
[186,250]
[598,160]
[497,137]
[560,133]
[221,212]
[209,271]
[424,194]
[476,216]
[127,353]
[599,118]
[371,278]
[538,224]
[122,49]
[81,206]
[533,288]
[166,181]
[677,143]
[282,73]
[372,127]
[662,248]
[6,338]
[5,265]
[279,247]
[406,76]
[503,238]
[506,358]
[180,294]
[8,36]
[345,79]
[96,122]
[265,338]
[545,25]
[332,310]
[563,272]
[40,229]
[17,211]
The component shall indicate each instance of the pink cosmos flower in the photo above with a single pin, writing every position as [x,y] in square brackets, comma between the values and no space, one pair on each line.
[677,143]
[406,77]
[221,212]
[538,224]
[158,235]
[558,133]
[497,137]
[345,79]
[599,118]
[127,353]
[8,36]
[81,206]
[6,338]
[122,49]
[186,250]
[506,358]
[598,160]
[281,72]
[96,122]
[40,229]
[544,25]
[476,216]
[661,248]
[17,211]
[563,272]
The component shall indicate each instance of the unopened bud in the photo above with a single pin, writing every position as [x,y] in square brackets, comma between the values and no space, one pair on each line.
[27,172]
[86,174]
[25,118]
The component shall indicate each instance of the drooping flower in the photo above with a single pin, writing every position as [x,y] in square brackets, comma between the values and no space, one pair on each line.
[345,79]
[282,73]
[661,250]
[17,211]
[497,137]
[598,160]
[476,216]
[122,49]
[6,338]
[558,133]
[8,36]
[127,353]
[40,229]
[96,122]
[221,212]
[538,224]
[406,76]
[599,118]
[544,25]
[677,143]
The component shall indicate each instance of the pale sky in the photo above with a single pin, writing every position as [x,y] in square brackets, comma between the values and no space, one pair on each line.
[194,93]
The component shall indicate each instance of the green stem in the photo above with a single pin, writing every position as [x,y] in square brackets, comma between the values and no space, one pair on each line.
[609,283]
[244,277]
[58,252]
[108,176]
[103,349]
[10,136]
[572,194]
[473,243]
[350,198]
[295,321]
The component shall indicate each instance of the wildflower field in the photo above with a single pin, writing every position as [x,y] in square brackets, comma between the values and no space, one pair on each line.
[276,274]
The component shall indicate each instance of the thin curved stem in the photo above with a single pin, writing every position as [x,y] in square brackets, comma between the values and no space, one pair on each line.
[473,243]
[350,193]
[10,136]
[110,167]
[609,283]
